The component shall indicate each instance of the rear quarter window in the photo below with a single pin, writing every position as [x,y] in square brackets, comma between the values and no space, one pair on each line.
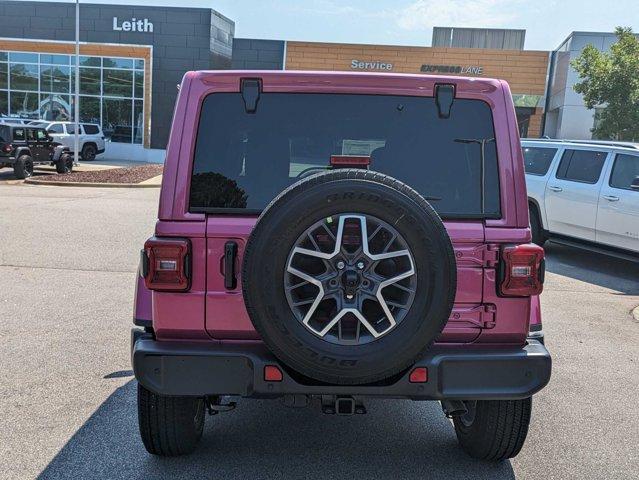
[624,171]
[582,166]
[90,129]
[243,160]
[19,134]
[537,160]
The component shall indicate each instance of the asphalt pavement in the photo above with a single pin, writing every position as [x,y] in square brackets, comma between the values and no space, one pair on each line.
[68,258]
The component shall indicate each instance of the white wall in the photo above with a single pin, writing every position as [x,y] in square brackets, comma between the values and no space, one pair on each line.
[131,152]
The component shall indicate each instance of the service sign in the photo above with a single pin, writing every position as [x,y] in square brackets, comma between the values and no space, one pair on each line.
[371,65]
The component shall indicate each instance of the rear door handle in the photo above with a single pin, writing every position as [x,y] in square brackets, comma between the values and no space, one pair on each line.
[611,198]
[556,189]
[230,253]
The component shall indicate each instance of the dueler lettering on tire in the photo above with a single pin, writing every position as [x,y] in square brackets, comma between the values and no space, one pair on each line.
[349,276]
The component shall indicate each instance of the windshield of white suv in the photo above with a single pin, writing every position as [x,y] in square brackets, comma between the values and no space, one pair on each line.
[243,160]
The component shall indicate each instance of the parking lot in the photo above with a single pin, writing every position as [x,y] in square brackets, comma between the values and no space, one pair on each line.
[67,266]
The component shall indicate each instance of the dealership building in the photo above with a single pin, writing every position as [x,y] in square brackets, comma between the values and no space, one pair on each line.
[133,57]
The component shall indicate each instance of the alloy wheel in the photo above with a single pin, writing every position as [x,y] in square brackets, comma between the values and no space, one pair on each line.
[350,278]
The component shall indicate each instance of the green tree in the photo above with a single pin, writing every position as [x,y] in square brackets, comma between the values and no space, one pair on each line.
[611,80]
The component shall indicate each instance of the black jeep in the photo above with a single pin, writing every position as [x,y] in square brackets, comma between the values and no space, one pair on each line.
[23,146]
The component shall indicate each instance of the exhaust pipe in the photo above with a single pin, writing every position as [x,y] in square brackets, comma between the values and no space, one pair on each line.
[454,408]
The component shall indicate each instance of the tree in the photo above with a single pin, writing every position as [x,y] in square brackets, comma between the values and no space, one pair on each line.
[611,80]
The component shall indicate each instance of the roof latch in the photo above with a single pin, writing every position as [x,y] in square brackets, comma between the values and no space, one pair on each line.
[250,88]
[444,97]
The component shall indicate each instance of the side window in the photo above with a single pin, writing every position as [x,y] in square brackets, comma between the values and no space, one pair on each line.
[71,128]
[537,160]
[90,129]
[41,135]
[55,128]
[581,166]
[624,171]
[18,134]
[31,135]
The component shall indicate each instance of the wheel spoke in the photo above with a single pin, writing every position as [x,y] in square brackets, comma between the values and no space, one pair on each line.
[334,312]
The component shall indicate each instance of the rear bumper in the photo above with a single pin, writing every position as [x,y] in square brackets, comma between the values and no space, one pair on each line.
[470,372]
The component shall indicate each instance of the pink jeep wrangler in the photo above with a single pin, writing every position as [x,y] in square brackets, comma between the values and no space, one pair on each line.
[327,237]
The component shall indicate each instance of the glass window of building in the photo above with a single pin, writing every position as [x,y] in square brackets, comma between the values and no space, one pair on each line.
[42,86]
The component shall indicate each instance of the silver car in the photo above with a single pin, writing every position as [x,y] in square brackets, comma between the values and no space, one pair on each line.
[92,141]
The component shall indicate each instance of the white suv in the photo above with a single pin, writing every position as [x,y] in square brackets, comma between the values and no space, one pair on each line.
[584,193]
[92,141]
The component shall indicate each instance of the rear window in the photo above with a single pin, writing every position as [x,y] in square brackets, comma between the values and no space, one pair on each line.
[243,160]
[581,166]
[90,129]
[537,160]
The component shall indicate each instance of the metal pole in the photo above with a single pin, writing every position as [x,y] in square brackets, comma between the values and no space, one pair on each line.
[76,139]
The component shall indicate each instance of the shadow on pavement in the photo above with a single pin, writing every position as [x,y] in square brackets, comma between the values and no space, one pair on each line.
[594,268]
[265,439]
[6,174]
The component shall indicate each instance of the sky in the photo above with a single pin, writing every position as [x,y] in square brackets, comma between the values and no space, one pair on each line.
[410,22]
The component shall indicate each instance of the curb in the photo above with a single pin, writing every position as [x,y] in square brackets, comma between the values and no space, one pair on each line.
[635,313]
[33,181]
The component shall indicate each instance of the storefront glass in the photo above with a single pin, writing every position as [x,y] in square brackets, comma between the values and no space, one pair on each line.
[41,86]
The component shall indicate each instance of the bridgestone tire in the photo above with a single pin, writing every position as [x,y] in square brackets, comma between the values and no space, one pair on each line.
[64,164]
[321,196]
[23,168]
[498,430]
[169,426]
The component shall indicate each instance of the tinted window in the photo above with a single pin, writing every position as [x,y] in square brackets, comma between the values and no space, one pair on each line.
[18,134]
[581,166]
[55,128]
[537,159]
[244,160]
[90,129]
[41,135]
[71,129]
[624,171]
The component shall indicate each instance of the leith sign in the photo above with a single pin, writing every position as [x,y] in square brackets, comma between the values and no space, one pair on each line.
[133,25]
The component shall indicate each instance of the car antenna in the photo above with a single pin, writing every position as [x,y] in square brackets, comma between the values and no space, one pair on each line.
[482,166]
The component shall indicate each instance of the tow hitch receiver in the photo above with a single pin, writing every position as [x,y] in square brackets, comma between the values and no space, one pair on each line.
[342,405]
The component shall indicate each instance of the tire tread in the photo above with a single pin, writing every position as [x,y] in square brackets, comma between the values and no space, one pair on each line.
[166,426]
[498,431]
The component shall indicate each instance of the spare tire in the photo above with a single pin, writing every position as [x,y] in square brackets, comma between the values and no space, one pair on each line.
[349,276]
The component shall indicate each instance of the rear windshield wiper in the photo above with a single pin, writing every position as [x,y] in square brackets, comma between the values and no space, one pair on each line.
[482,166]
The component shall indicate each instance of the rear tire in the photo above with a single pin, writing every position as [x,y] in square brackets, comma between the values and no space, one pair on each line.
[23,168]
[89,152]
[65,164]
[538,235]
[170,426]
[494,429]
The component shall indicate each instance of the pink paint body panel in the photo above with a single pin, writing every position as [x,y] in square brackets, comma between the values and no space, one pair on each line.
[210,312]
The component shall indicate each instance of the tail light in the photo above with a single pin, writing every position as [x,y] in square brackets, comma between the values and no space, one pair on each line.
[7,147]
[522,270]
[350,161]
[166,264]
